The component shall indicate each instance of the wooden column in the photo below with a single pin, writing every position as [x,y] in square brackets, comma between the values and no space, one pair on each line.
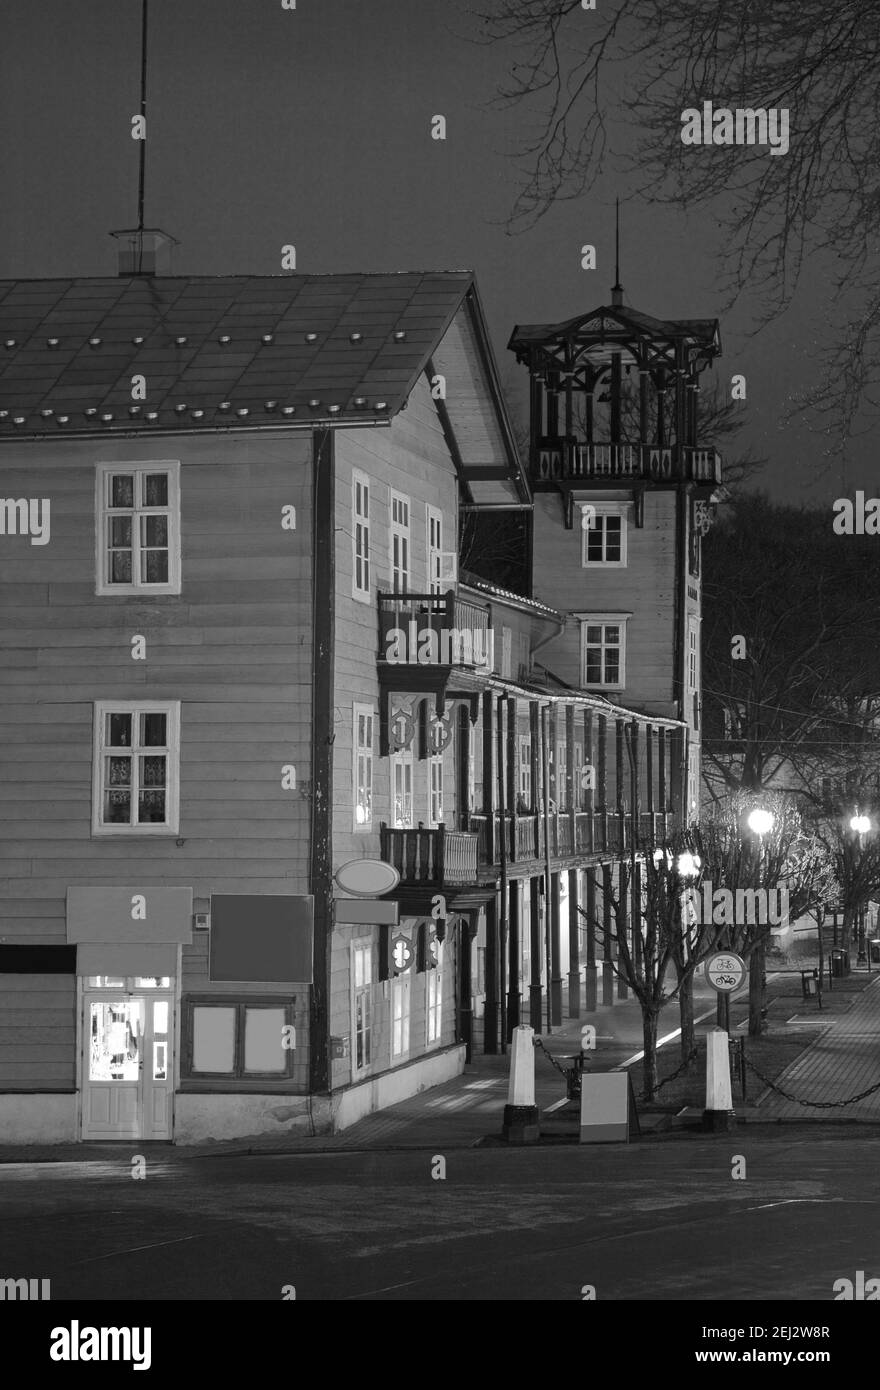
[574,946]
[635,780]
[661,767]
[620,783]
[602,778]
[555,953]
[616,390]
[649,760]
[534,755]
[491,1036]
[607,944]
[535,413]
[552,414]
[535,955]
[590,991]
[489,791]
[572,779]
[511,771]
[623,921]
[462,767]
[514,957]
[467,930]
[644,406]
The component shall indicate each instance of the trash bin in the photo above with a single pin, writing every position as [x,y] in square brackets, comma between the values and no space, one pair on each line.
[875,952]
[810,982]
[839,962]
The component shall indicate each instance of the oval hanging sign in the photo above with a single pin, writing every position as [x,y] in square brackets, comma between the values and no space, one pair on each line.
[367,878]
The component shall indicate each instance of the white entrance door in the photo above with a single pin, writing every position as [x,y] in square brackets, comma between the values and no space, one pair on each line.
[128,1075]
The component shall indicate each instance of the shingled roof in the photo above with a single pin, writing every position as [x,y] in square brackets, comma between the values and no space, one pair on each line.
[217,352]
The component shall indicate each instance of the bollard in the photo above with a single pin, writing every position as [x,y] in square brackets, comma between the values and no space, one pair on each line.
[718,1115]
[520,1123]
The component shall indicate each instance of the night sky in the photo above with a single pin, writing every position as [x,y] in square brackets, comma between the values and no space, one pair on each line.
[268,126]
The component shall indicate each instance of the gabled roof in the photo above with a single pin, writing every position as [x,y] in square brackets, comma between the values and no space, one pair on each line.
[246,351]
[617,322]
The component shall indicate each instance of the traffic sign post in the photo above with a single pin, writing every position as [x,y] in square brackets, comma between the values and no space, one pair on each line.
[726,973]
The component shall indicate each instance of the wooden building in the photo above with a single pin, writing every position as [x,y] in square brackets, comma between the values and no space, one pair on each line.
[237,656]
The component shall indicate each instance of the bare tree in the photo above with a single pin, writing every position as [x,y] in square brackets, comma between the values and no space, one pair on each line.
[819,200]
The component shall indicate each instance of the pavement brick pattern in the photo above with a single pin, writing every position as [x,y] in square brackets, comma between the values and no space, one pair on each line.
[843,1060]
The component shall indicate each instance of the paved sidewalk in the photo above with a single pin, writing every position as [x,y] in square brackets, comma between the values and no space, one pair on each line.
[841,1062]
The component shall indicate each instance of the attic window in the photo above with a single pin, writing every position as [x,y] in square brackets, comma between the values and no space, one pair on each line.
[138,340]
[10,342]
[181,340]
[90,410]
[288,410]
[314,403]
[94,342]
[399,335]
[268,338]
[224,338]
[356,337]
[225,405]
[52,342]
[311,337]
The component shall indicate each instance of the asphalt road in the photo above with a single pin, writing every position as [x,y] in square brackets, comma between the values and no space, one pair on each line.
[658,1220]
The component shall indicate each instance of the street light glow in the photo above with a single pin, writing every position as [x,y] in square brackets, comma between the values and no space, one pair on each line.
[688,865]
[760,821]
[861,825]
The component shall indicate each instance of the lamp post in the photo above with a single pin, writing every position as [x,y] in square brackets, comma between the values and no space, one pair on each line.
[860,826]
[760,822]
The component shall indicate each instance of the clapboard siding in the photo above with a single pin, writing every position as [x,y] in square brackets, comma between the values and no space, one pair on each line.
[234,647]
[645,588]
[37,1032]
[412,458]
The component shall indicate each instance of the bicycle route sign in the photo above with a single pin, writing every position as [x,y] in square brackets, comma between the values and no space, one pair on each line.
[725,971]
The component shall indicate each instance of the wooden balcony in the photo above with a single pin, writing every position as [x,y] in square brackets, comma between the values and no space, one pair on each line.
[431,858]
[566,459]
[434,630]
[572,835]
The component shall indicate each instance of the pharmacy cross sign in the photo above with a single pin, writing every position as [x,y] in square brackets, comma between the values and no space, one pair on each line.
[401,953]
[725,971]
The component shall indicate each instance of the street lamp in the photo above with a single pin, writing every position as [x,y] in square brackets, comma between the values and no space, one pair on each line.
[760,821]
[861,825]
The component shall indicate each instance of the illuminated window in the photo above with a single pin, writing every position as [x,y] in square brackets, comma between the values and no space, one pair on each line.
[363,767]
[362,1004]
[400,1014]
[434,1002]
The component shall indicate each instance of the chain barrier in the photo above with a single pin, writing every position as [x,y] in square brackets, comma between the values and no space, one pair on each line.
[551,1059]
[813,1104]
[691,1057]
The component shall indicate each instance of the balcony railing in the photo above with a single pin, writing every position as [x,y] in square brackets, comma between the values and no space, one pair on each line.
[430,857]
[585,832]
[562,458]
[434,630]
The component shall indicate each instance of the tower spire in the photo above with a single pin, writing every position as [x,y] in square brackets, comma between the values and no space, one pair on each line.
[143,250]
[617,287]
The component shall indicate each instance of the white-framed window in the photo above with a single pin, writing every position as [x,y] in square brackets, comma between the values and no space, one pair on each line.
[402,788]
[604,543]
[435,791]
[603,650]
[525,769]
[361,1005]
[401,1007]
[137,529]
[399,543]
[360,535]
[434,542]
[136,772]
[434,1001]
[362,765]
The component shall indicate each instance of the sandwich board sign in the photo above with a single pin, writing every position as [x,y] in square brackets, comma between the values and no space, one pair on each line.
[608,1108]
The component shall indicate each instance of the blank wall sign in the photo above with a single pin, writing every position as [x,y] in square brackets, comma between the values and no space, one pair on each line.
[608,1108]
